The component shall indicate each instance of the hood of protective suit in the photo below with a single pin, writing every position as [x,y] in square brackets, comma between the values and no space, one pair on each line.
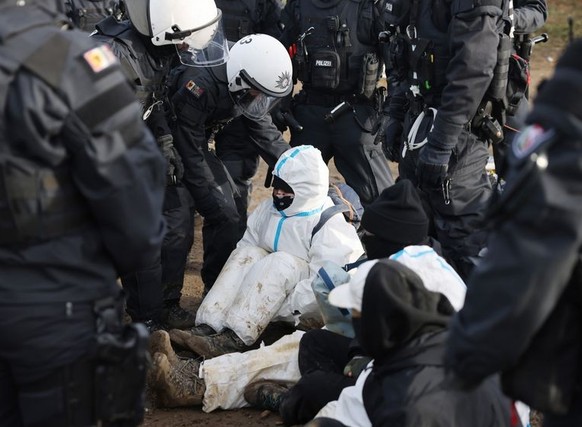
[304,170]
[397,307]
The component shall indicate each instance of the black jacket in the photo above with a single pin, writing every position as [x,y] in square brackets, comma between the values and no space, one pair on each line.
[403,329]
[88,123]
[201,101]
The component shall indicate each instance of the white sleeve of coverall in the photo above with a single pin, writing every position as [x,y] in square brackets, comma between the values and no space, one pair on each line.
[337,241]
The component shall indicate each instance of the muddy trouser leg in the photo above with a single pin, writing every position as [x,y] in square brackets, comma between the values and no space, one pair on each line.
[262,294]
[177,244]
[361,163]
[322,358]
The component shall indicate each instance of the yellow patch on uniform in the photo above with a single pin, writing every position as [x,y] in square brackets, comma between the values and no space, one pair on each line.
[100,58]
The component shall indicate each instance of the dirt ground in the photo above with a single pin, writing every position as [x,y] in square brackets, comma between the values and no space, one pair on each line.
[542,66]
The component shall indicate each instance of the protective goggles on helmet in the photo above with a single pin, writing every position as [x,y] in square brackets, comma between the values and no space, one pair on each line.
[205,46]
[253,103]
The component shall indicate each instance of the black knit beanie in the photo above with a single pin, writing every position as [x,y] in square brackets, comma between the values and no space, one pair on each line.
[397,215]
[564,89]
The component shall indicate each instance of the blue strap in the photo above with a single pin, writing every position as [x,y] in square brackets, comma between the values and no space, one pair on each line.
[329,284]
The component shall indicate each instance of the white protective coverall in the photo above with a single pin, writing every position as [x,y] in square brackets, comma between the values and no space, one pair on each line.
[268,276]
[227,376]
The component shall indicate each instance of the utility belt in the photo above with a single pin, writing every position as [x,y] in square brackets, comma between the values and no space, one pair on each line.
[310,97]
[121,359]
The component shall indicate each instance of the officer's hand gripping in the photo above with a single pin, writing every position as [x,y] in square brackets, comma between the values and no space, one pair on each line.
[390,136]
[175,167]
[432,167]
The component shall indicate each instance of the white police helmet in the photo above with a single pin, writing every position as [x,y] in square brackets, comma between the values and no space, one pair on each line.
[259,73]
[193,26]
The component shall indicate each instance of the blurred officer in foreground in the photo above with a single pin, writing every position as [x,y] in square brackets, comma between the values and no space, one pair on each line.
[255,77]
[81,192]
[523,311]
[157,34]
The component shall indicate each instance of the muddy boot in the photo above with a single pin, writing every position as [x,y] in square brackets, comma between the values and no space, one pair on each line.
[202,330]
[266,394]
[175,317]
[176,384]
[160,343]
[209,346]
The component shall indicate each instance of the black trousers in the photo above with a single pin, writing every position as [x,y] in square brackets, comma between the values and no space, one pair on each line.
[361,163]
[46,376]
[322,358]
[148,288]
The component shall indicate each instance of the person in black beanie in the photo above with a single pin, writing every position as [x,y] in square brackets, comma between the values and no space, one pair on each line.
[394,220]
[328,361]
[522,315]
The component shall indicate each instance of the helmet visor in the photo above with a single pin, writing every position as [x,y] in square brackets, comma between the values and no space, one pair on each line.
[254,104]
[200,47]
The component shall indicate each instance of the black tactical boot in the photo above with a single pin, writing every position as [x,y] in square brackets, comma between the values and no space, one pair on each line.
[209,346]
[176,383]
[266,394]
[175,317]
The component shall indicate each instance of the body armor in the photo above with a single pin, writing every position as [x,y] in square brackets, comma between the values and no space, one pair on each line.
[37,201]
[241,17]
[333,53]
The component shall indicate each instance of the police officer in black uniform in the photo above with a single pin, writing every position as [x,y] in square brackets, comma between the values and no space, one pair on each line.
[446,54]
[528,16]
[233,145]
[85,14]
[147,63]
[338,59]
[256,75]
[523,314]
[81,193]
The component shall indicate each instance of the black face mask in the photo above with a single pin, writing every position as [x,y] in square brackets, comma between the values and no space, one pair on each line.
[377,248]
[282,203]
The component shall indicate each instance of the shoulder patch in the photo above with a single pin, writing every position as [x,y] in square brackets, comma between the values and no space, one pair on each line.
[100,58]
[196,90]
[531,138]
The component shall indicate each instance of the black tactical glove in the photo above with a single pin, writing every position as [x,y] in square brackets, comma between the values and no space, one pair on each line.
[175,167]
[392,139]
[356,365]
[432,166]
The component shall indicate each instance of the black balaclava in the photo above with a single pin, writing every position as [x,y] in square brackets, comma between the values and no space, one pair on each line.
[394,220]
[282,203]
[396,308]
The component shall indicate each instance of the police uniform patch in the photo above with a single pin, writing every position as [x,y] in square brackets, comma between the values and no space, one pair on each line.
[100,58]
[530,139]
[196,90]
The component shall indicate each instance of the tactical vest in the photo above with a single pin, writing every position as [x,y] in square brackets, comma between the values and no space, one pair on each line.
[241,17]
[146,72]
[419,47]
[85,14]
[330,54]
[36,202]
